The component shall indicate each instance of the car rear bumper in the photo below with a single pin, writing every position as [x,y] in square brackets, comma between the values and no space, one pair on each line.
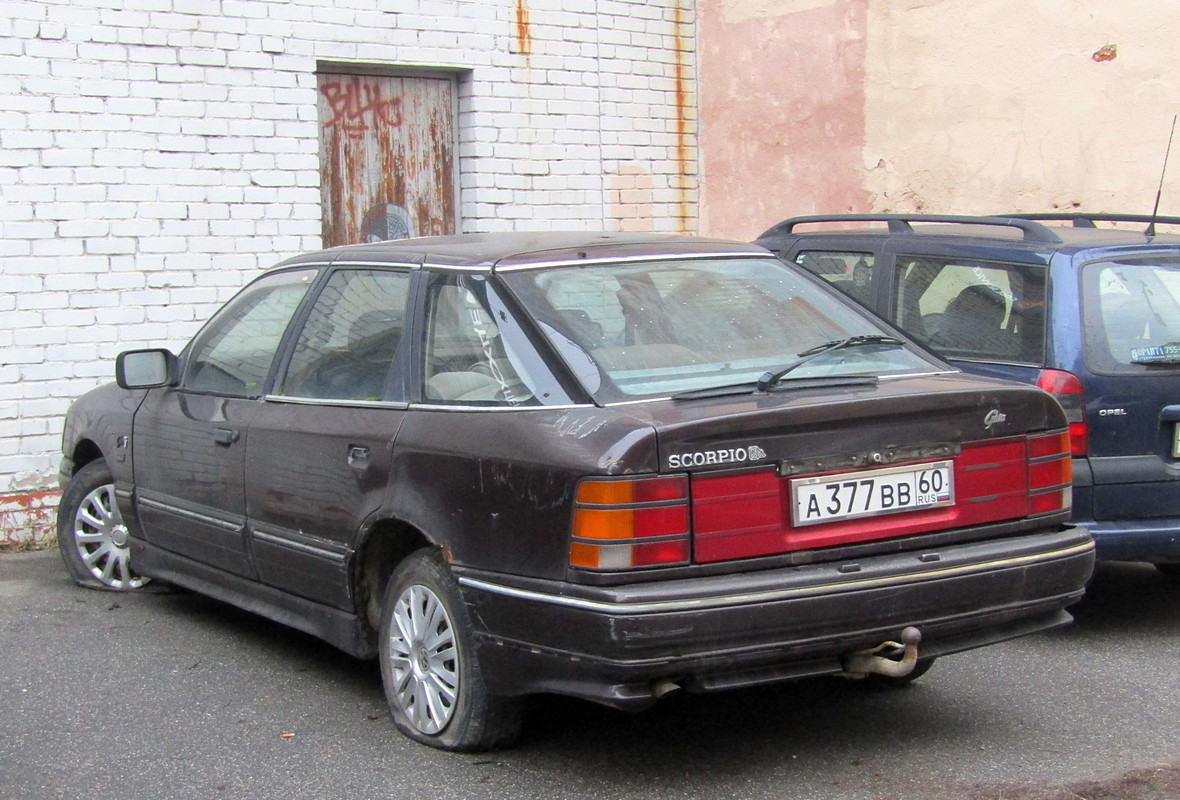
[623,645]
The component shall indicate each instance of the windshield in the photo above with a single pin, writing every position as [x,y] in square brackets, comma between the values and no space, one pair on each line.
[632,330]
[1138,314]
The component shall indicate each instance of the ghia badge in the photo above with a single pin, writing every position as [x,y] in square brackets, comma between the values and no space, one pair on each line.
[733,455]
[994,417]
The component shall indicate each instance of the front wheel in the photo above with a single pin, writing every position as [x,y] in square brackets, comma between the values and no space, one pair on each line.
[91,535]
[429,665]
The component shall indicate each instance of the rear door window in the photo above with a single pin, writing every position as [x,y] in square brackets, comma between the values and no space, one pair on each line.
[351,338]
[1132,309]
[972,310]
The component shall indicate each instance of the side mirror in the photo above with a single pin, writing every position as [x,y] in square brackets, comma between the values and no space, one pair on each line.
[146,369]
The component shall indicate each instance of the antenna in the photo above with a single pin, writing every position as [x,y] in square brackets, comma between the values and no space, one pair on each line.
[1151,225]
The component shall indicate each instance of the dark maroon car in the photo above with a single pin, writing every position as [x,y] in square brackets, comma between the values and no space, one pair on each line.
[601,465]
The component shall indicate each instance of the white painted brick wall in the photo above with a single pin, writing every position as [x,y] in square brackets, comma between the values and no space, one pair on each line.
[156,154]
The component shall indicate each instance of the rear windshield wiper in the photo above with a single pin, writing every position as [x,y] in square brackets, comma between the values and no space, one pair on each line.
[825,382]
[770,378]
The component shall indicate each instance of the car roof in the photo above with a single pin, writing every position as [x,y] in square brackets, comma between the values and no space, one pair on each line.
[1018,230]
[526,249]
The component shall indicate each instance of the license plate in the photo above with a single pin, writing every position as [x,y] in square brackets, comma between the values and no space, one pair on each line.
[1176,440]
[875,491]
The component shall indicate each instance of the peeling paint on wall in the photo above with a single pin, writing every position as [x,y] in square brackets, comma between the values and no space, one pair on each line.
[973,114]
[28,520]
[782,111]
[1106,53]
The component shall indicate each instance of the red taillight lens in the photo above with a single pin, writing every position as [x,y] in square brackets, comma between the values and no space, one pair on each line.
[1067,390]
[1050,473]
[633,522]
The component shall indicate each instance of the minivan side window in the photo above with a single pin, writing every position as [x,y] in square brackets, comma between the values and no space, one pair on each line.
[851,273]
[232,356]
[352,337]
[979,310]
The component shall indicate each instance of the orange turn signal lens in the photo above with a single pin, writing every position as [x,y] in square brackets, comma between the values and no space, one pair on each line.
[612,515]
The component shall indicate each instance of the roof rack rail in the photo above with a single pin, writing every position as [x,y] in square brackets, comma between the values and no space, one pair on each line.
[903,223]
[1084,219]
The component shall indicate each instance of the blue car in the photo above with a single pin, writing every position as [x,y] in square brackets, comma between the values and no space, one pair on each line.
[1089,313]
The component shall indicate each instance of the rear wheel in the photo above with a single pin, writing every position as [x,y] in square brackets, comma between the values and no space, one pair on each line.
[91,535]
[429,665]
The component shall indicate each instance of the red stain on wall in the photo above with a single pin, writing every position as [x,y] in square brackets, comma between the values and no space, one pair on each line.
[782,115]
[1106,53]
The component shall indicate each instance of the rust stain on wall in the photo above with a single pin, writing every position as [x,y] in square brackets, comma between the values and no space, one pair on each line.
[524,43]
[682,116]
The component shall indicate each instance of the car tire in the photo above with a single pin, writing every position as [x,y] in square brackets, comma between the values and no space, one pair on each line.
[430,666]
[91,535]
[876,681]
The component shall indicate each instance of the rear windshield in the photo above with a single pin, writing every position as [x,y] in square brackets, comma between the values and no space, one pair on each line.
[1132,309]
[631,330]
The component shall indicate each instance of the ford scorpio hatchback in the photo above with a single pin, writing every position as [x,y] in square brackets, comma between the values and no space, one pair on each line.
[1085,311]
[600,465]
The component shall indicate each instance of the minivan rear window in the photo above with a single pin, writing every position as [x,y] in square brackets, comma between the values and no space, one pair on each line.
[1132,314]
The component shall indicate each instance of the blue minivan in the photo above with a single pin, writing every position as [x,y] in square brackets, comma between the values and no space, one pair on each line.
[1090,314]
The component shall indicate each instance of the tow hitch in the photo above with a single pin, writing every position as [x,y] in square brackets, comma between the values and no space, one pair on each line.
[883,659]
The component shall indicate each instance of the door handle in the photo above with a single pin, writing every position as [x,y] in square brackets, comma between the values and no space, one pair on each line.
[226,436]
[358,456]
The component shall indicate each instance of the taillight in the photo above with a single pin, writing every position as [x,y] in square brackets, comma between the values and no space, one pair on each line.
[1050,473]
[630,522]
[1067,390]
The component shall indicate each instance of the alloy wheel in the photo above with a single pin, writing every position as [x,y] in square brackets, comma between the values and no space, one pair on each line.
[424,659]
[102,540]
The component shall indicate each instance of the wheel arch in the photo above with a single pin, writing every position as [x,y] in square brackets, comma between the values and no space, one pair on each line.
[84,452]
[385,543]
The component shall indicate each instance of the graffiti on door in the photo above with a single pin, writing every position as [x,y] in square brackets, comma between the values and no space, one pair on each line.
[359,107]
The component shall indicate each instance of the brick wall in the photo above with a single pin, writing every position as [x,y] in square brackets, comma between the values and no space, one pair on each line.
[156,154]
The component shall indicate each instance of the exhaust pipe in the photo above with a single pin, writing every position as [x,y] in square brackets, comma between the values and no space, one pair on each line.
[882,659]
[664,686]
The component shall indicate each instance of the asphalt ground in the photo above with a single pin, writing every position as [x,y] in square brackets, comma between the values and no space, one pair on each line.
[172,695]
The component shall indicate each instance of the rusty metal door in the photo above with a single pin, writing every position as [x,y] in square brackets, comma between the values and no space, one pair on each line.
[387,157]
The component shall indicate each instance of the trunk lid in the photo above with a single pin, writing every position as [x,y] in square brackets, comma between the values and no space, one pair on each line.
[803,469]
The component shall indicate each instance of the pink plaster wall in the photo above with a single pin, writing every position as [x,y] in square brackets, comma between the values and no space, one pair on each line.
[782,111]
